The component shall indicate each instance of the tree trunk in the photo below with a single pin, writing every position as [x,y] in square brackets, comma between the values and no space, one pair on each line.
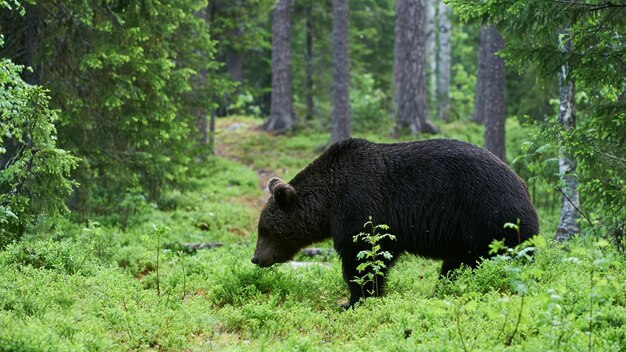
[203,127]
[568,224]
[482,64]
[493,86]
[32,43]
[444,63]
[395,84]
[234,63]
[410,71]
[199,79]
[341,73]
[309,63]
[281,110]
[211,134]
[431,50]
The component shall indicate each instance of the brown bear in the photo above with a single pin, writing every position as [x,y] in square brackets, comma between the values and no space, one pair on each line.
[441,198]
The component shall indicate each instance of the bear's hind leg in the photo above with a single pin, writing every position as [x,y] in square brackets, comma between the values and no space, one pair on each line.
[450,265]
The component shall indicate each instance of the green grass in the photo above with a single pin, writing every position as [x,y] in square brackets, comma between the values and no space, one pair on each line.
[98,287]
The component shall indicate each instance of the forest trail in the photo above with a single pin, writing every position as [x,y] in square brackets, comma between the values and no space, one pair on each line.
[239,138]
[228,145]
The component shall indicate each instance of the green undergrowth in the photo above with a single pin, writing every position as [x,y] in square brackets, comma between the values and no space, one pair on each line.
[57,297]
[95,286]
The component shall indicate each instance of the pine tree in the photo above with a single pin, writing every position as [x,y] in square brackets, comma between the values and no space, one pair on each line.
[341,73]
[281,116]
[410,68]
[310,106]
[444,62]
[595,62]
[123,78]
[431,49]
[493,86]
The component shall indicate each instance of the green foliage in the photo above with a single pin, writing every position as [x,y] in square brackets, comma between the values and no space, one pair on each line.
[94,286]
[242,33]
[13,5]
[464,40]
[34,172]
[368,105]
[596,62]
[371,58]
[372,261]
[132,81]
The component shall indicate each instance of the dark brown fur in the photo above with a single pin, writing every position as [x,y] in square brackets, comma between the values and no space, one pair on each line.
[442,199]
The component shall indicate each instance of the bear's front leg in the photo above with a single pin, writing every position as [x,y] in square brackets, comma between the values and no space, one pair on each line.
[371,285]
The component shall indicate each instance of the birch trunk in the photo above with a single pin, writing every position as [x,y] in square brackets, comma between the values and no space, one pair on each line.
[281,116]
[568,224]
[444,63]
[341,73]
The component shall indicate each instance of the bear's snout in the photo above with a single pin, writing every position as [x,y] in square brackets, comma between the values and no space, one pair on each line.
[263,260]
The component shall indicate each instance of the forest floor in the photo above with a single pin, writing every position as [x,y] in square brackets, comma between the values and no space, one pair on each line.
[101,287]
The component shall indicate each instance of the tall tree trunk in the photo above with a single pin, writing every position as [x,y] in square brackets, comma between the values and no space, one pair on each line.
[234,58]
[32,43]
[431,50]
[444,63]
[202,126]
[568,224]
[341,73]
[493,85]
[309,62]
[211,134]
[482,65]
[281,116]
[199,79]
[399,25]
[235,62]
[410,73]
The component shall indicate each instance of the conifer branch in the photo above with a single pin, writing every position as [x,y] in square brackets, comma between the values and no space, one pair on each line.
[592,7]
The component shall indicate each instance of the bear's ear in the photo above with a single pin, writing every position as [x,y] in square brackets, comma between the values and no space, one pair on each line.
[271,184]
[284,194]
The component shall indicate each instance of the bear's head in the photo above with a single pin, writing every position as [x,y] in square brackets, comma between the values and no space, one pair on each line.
[281,232]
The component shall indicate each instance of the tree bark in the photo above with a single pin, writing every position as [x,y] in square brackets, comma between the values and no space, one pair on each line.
[568,223]
[444,63]
[493,93]
[235,65]
[199,79]
[32,43]
[281,116]
[341,73]
[482,64]
[410,73]
[211,134]
[309,63]
[399,25]
[431,49]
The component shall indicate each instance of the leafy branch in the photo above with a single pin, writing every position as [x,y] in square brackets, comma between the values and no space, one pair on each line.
[373,259]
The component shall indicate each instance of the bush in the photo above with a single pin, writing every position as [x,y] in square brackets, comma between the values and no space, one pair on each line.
[34,173]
